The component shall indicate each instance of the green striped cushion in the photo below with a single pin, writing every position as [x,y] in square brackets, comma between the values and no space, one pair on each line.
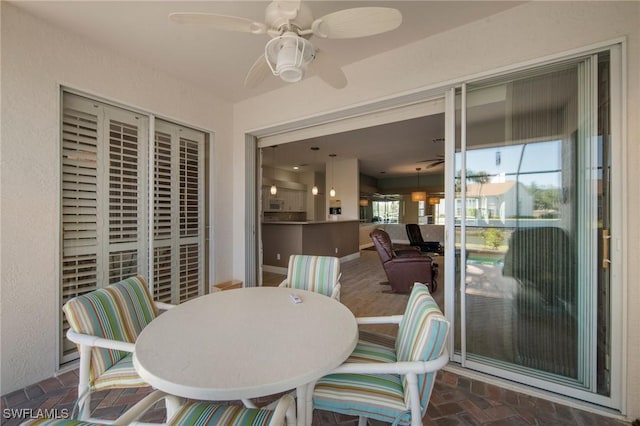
[379,396]
[117,312]
[57,422]
[422,336]
[371,352]
[314,273]
[121,375]
[204,413]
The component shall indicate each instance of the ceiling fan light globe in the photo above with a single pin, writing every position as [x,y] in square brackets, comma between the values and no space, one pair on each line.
[288,56]
[288,69]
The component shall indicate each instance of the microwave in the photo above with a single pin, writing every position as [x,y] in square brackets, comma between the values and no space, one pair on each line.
[276,204]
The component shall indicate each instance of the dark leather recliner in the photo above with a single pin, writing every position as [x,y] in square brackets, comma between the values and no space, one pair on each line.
[403,268]
[416,240]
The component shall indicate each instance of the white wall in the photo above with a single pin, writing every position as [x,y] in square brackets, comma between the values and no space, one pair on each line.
[518,35]
[342,174]
[36,58]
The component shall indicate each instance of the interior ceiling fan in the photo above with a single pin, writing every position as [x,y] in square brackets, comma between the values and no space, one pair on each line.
[433,162]
[290,24]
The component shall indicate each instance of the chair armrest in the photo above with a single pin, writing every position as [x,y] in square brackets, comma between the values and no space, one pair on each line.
[284,410]
[416,367]
[95,341]
[408,252]
[284,283]
[164,306]
[335,294]
[133,413]
[412,259]
[391,319]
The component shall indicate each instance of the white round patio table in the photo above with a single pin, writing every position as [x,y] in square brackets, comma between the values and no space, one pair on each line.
[246,343]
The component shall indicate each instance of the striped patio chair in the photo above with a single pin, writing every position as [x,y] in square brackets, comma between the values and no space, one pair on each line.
[280,412]
[391,384]
[320,274]
[105,324]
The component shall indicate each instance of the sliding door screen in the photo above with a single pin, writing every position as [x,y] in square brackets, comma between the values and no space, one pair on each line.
[532,200]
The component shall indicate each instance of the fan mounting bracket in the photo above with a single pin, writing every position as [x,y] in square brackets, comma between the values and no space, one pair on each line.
[282,19]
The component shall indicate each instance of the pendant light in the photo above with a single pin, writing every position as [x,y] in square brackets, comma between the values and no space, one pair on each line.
[332,193]
[418,195]
[314,190]
[274,188]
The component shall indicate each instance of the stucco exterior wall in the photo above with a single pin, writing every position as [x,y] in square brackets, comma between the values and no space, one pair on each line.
[36,59]
[519,35]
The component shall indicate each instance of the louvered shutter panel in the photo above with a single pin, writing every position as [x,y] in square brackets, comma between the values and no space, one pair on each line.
[127,195]
[103,219]
[163,216]
[80,205]
[178,238]
[190,218]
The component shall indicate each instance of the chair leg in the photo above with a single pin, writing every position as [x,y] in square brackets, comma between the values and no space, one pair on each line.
[84,406]
[362,421]
[301,405]
[309,403]
[414,396]
[84,393]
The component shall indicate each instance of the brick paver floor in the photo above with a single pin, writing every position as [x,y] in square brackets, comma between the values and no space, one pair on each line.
[455,400]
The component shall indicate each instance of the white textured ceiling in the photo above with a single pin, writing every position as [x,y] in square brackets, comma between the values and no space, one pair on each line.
[219,60]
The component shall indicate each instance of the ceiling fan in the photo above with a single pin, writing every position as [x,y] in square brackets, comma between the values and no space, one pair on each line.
[434,162]
[290,24]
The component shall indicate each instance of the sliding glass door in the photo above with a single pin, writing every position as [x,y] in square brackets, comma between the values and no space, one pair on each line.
[531,197]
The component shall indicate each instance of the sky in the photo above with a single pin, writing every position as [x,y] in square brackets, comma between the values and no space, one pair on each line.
[541,163]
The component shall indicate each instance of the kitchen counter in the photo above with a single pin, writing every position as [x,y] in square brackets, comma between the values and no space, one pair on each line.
[306,222]
[321,238]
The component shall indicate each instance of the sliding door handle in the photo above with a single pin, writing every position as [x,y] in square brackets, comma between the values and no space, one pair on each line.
[606,238]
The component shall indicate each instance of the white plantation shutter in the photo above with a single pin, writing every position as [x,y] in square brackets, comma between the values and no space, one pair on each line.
[178,239]
[126,195]
[191,220]
[163,215]
[101,165]
[80,249]
[105,211]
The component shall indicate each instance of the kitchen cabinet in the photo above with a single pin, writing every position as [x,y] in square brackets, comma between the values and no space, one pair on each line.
[287,200]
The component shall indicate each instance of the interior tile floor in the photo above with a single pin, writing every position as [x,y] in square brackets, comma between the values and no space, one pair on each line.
[456,400]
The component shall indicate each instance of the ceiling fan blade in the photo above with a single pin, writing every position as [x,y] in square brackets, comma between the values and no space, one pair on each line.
[329,71]
[219,22]
[357,22]
[433,164]
[258,72]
